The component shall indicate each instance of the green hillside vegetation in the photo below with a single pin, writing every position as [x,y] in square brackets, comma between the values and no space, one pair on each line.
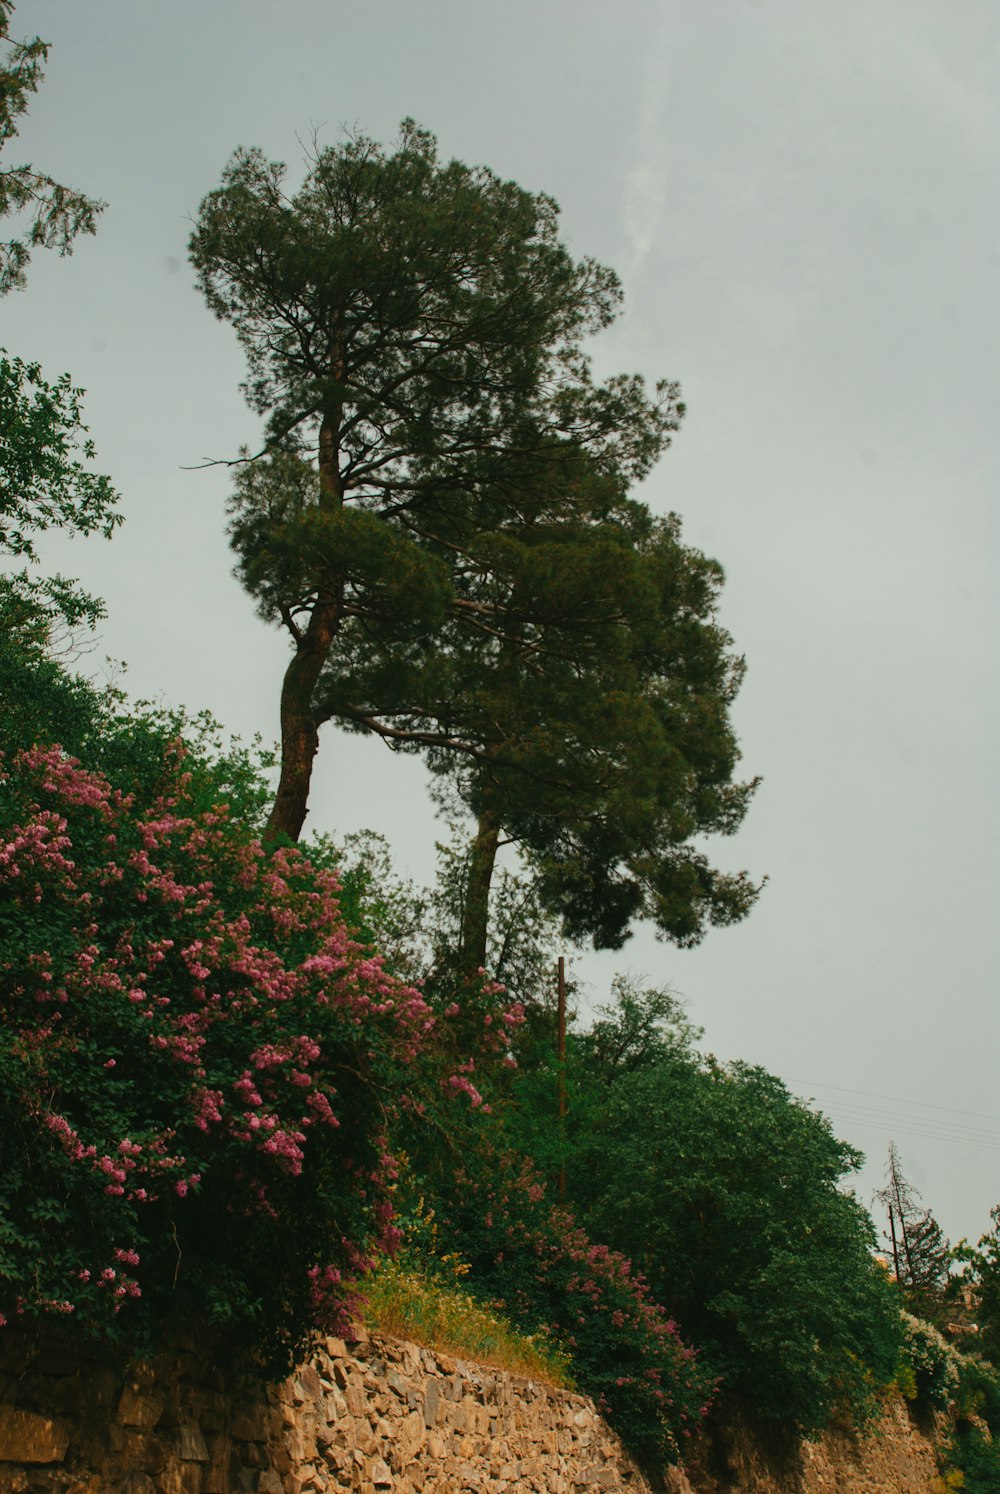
[247,1082]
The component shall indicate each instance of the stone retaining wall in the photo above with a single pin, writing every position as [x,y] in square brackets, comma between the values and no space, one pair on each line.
[893,1457]
[378,1417]
[896,1456]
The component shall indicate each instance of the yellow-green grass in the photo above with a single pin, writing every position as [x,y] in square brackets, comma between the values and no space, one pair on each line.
[403,1302]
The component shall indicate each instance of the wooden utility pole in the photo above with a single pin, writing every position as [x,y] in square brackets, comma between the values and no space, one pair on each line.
[561,1051]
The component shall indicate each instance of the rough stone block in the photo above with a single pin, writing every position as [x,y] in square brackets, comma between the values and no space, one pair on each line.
[191,1445]
[180,1478]
[139,1408]
[140,1483]
[301,1441]
[432,1403]
[28,1438]
[247,1424]
[596,1477]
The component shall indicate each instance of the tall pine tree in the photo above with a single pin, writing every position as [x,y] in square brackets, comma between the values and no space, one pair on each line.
[440,519]
[413,336]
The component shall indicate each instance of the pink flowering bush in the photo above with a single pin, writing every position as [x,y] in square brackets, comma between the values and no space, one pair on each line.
[531,1256]
[199,1067]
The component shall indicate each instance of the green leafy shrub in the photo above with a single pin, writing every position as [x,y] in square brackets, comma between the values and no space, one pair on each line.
[725,1192]
[974,1456]
[905,1380]
[970,1459]
[198,1066]
[929,1364]
[981,1271]
[534,1260]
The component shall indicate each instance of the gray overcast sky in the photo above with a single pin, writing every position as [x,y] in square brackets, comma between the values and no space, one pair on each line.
[801,199]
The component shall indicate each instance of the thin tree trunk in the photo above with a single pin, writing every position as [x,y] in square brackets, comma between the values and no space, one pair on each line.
[476,912]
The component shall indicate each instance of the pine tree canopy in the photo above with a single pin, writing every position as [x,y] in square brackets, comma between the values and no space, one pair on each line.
[412,331]
[440,518]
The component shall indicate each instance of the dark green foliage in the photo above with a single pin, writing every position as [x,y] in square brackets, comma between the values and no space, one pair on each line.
[979,1391]
[599,716]
[418,300]
[40,700]
[416,929]
[45,451]
[520,934]
[133,744]
[535,1259]
[45,482]
[981,1272]
[724,1191]
[974,1446]
[730,1205]
[976,1455]
[413,332]
[55,214]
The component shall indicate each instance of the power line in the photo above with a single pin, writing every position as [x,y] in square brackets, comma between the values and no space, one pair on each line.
[893,1127]
[939,1128]
[899,1100]
[926,1127]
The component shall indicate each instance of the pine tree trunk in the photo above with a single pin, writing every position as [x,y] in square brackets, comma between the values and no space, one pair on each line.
[299,727]
[476,913]
[299,724]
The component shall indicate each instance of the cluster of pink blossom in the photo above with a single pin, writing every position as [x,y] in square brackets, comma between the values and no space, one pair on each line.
[204,1015]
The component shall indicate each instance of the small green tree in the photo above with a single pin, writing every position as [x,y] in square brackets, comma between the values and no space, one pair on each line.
[726,1193]
[637,1028]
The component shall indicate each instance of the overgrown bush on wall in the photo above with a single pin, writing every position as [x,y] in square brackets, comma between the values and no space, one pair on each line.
[928,1370]
[198,1066]
[725,1191]
[970,1457]
[533,1257]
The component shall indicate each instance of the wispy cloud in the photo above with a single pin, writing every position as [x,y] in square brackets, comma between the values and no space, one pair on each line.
[644,191]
